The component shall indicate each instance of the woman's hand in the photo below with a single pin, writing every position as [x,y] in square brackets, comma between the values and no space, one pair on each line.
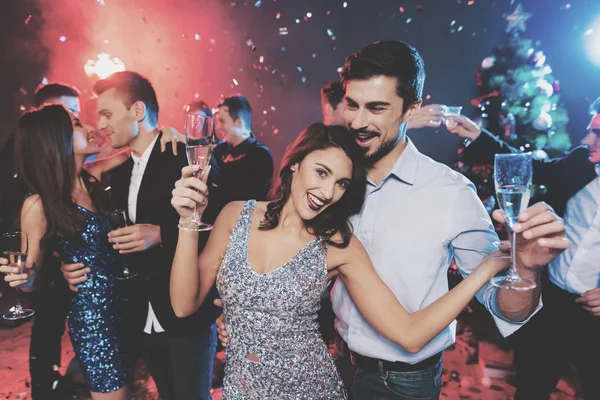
[190,193]
[18,276]
[497,261]
[170,135]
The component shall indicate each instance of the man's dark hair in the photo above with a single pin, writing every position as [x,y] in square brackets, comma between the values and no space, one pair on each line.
[389,58]
[333,93]
[44,93]
[132,87]
[239,107]
[595,107]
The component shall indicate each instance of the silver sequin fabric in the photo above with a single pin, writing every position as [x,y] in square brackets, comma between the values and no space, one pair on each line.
[97,310]
[272,318]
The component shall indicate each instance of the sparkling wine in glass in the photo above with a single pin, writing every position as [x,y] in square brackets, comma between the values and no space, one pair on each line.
[15,247]
[118,219]
[513,174]
[199,142]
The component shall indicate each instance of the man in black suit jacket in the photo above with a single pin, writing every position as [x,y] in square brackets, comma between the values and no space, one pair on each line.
[179,352]
[567,328]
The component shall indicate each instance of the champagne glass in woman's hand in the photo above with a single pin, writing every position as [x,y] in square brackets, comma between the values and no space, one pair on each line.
[118,219]
[199,142]
[190,194]
[14,247]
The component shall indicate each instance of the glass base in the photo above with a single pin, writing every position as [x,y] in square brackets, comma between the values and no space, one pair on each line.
[15,316]
[195,227]
[513,282]
[125,275]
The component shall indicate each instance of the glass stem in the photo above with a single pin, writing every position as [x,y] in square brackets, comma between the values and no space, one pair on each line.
[512,271]
[18,306]
[196,218]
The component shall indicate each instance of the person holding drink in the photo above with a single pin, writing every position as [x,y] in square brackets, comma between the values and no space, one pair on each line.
[179,352]
[68,213]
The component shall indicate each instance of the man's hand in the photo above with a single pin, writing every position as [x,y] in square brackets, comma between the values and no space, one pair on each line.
[540,235]
[135,238]
[591,301]
[465,128]
[74,274]
[170,135]
[23,276]
[431,115]
[222,333]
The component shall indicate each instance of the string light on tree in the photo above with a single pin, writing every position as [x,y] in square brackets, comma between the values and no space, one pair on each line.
[103,66]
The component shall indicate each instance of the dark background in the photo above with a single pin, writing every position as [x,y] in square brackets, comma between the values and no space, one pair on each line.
[157,38]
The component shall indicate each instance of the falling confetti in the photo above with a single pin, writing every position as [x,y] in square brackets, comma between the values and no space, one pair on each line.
[278,16]
[62,38]
[101,2]
[308,15]
[589,32]
[196,36]
[419,8]
[258,3]
[45,81]
[401,9]
[235,82]
[28,19]
[283,31]
[297,20]
[408,21]
[345,4]
[299,68]
[329,32]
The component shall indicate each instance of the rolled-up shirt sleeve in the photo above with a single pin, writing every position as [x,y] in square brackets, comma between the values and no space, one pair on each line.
[474,239]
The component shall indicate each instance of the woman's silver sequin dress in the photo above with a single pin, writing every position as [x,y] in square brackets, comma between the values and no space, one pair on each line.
[272,318]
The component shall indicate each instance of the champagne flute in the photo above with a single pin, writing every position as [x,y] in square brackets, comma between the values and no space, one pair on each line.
[199,142]
[513,174]
[15,247]
[118,219]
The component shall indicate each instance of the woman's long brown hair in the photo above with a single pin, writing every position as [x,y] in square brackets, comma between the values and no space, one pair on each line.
[333,219]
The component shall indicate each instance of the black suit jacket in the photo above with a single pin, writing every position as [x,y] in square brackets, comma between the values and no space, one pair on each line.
[563,177]
[154,265]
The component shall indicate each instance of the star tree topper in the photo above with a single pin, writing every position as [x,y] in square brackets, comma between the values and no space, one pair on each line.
[516,20]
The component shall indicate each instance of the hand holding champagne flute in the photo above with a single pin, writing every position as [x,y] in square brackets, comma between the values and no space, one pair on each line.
[199,142]
[14,248]
[513,174]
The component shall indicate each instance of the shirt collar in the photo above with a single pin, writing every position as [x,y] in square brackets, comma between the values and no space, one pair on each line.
[405,168]
[146,154]
[597,167]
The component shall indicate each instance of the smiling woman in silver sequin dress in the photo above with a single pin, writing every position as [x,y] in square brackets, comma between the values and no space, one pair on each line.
[272,261]
[67,212]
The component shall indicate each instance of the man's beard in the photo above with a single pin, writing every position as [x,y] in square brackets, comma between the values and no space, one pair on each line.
[381,151]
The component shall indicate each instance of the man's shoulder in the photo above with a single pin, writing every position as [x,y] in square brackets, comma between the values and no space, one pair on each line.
[261,148]
[435,173]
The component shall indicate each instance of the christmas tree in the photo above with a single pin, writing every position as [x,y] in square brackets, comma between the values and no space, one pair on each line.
[519,101]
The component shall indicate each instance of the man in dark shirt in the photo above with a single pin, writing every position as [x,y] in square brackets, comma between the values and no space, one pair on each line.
[246,164]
